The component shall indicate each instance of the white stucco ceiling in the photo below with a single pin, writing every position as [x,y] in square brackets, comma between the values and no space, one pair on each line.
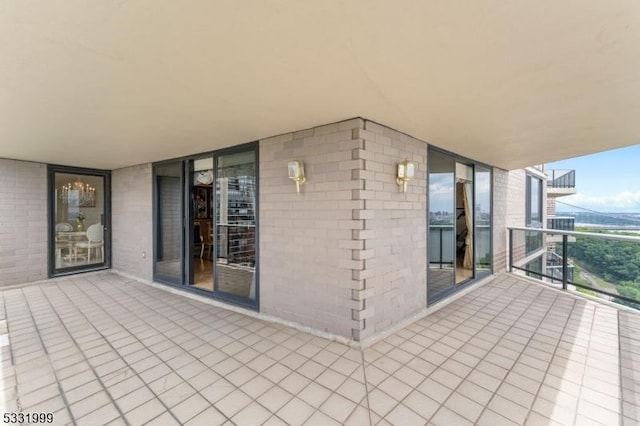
[511,83]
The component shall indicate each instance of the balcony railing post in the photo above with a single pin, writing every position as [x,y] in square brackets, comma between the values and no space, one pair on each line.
[441,239]
[510,250]
[565,263]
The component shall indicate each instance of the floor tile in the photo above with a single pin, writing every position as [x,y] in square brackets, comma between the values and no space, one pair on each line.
[89,404]
[296,411]
[320,419]
[359,417]
[203,361]
[381,403]
[83,391]
[434,390]
[314,394]
[338,407]
[147,411]
[190,407]
[165,419]
[102,415]
[421,404]
[253,414]
[233,403]
[445,416]
[597,414]
[401,415]
[177,394]
[464,406]
[210,416]
[274,398]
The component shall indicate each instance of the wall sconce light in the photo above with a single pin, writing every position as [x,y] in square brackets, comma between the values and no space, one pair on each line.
[296,173]
[406,171]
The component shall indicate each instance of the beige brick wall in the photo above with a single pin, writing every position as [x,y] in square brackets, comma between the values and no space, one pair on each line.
[348,254]
[394,249]
[516,198]
[132,228]
[500,197]
[23,222]
[307,265]
[516,206]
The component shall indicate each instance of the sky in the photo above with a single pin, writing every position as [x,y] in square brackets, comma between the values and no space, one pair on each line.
[608,181]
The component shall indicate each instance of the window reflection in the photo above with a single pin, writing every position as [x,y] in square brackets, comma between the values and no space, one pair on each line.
[483,218]
[78,216]
[235,222]
[441,224]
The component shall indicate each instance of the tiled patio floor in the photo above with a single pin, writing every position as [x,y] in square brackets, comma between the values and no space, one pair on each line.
[100,349]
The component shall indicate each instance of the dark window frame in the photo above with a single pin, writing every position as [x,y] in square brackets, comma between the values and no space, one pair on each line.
[477,275]
[52,271]
[156,222]
[187,234]
[528,205]
[533,240]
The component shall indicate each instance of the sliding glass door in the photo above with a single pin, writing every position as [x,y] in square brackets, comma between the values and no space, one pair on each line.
[459,238]
[442,219]
[465,231]
[200,195]
[235,225]
[78,220]
[206,220]
[483,219]
[168,181]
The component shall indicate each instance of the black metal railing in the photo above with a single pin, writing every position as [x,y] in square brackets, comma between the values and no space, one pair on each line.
[561,223]
[561,178]
[592,254]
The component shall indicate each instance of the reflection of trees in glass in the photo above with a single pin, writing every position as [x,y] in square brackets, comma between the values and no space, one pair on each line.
[533,241]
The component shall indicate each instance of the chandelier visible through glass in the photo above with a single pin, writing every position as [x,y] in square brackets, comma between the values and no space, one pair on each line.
[83,192]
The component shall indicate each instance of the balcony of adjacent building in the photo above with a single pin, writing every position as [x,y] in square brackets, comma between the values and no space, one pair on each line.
[560,223]
[561,182]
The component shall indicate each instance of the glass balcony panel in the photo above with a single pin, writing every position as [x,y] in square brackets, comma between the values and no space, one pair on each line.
[604,265]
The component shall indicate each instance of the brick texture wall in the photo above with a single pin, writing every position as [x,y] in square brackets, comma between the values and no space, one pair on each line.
[307,266]
[132,229]
[348,254]
[394,235]
[499,226]
[23,222]
[516,197]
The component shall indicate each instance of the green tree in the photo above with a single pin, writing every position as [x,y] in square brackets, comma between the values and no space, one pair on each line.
[615,261]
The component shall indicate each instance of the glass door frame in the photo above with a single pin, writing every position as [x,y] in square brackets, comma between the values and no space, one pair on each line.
[156,223]
[477,274]
[472,166]
[52,169]
[187,236]
[253,304]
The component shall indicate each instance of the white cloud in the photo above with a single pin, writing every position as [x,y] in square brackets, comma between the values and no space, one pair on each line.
[439,190]
[623,201]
